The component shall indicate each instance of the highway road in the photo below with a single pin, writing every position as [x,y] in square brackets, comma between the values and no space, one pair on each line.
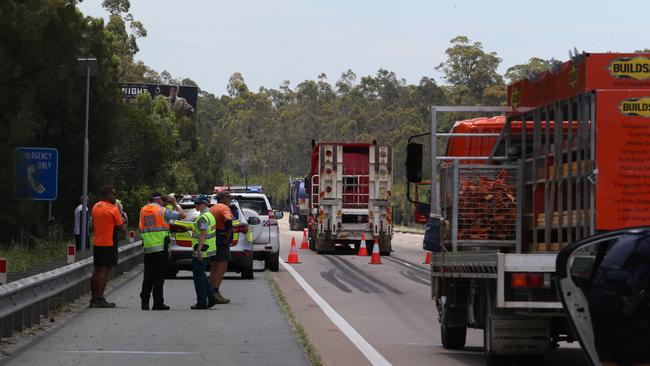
[389,305]
[383,313]
[251,330]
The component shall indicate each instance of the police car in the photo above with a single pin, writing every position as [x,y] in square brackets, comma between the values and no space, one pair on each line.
[241,250]
[266,237]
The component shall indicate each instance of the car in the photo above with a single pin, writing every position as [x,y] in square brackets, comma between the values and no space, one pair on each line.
[241,250]
[576,268]
[266,237]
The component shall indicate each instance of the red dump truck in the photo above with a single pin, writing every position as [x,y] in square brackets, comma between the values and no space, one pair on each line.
[350,188]
[566,159]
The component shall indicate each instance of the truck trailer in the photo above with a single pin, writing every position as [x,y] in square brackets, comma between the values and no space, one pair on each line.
[350,188]
[567,158]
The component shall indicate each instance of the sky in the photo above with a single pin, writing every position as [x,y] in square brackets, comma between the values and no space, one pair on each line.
[296,40]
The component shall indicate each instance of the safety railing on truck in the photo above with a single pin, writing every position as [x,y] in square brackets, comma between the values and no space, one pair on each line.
[481,203]
[356,188]
[25,302]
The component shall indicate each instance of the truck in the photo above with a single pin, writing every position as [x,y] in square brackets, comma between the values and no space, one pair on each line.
[297,204]
[350,195]
[564,160]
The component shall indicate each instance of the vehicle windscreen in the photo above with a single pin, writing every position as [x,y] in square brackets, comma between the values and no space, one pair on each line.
[257,204]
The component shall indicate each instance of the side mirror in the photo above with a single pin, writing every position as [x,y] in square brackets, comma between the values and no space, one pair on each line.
[278,214]
[414,162]
[254,220]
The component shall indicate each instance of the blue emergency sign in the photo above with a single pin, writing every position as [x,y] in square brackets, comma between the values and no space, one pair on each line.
[37,173]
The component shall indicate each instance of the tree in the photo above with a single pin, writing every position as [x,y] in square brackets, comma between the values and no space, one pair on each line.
[470,69]
[522,71]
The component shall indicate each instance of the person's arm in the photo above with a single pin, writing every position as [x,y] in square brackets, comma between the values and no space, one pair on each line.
[179,209]
[199,247]
[119,220]
[228,227]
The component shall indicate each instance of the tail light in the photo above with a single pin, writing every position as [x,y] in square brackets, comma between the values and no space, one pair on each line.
[272,220]
[240,229]
[530,280]
[184,243]
[177,229]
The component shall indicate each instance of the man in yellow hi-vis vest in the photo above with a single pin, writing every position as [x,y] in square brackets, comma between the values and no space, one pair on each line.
[205,246]
[154,230]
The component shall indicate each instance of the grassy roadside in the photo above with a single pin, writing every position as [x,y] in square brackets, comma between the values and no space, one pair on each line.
[301,334]
[23,257]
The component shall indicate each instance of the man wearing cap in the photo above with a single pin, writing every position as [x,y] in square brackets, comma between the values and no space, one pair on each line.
[204,246]
[219,263]
[154,230]
[178,104]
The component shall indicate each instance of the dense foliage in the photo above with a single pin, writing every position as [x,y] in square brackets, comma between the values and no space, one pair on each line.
[260,136]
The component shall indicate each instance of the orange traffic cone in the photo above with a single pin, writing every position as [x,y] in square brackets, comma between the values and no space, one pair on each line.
[375,258]
[293,253]
[304,244]
[363,251]
[427,258]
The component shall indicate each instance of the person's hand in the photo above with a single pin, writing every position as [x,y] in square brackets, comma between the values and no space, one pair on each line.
[199,257]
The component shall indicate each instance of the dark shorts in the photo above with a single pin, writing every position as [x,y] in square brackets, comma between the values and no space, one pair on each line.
[105,256]
[223,251]
[618,338]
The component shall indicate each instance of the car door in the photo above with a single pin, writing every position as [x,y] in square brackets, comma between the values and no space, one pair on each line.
[261,233]
[576,266]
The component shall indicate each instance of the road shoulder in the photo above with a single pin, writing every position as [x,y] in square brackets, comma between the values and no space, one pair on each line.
[333,347]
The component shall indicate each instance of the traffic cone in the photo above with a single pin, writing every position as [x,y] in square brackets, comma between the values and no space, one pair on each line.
[304,244]
[293,253]
[363,251]
[427,258]
[376,258]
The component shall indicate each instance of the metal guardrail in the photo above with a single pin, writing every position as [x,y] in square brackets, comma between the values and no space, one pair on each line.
[24,302]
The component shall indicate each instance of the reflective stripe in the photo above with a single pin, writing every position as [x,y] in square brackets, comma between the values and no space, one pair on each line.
[153,230]
[153,249]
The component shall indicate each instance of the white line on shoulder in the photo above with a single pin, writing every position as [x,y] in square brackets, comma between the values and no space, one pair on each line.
[357,339]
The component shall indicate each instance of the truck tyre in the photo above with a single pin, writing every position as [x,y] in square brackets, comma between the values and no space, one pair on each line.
[272,262]
[453,337]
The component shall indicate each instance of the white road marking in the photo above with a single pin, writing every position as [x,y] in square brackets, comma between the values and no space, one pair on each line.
[134,352]
[366,349]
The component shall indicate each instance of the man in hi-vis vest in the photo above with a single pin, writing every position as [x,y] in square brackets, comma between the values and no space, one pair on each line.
[154,230]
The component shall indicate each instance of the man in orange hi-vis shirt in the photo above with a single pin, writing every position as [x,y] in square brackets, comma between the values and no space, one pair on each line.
[219,262]
[106,219]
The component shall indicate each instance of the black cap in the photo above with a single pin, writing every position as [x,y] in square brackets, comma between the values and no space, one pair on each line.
[156,195]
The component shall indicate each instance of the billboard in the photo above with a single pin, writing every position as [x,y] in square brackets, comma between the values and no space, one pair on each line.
[183,102]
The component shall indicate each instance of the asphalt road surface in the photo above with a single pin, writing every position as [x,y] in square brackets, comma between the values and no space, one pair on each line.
[389,305]
[251,330]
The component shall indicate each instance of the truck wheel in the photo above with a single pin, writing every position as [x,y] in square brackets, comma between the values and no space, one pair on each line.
[453,337]
[272,262]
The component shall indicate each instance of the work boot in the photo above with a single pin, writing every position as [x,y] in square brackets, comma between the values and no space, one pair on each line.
[101,303]
[199,307]
[160,307]
[220,299]
[211,301]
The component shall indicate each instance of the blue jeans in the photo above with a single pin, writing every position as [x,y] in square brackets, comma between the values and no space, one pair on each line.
[201,285]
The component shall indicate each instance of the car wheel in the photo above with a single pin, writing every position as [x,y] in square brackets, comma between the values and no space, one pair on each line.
[247,274]
[272,262]
[171,273]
